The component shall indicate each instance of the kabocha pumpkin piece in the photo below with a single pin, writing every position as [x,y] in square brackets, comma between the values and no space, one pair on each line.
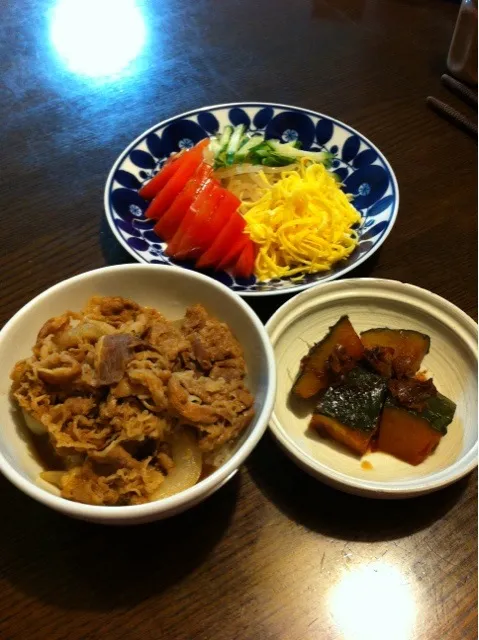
[412,434]
[338,352]
[349,413]
[409,348]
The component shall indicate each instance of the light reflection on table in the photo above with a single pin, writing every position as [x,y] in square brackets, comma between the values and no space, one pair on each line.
[373,602]
[97,38]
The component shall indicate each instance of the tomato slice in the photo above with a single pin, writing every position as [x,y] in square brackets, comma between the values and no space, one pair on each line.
[154,186]
[149,190]
[175,184]
[171,220]
[234,253]
[202,196]
[245,264]
[204,226]
[228,235]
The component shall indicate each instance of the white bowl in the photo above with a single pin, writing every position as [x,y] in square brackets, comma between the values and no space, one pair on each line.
[452,362]
[170,290]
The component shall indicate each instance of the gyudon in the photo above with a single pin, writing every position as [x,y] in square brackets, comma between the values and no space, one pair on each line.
[135,407]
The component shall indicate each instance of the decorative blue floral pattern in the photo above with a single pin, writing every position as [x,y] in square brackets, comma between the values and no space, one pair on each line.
[262,117]
[292,121]
[239,116]
[208,121]
[361,168]
[142,159]
[290,135]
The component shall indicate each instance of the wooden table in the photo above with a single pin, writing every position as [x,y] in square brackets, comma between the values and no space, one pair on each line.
[274,554]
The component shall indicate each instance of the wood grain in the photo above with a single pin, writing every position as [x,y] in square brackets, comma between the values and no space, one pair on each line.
[274,554]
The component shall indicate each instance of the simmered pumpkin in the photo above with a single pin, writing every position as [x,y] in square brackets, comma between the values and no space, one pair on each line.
[338,351]
[349,413]
[409,348]
[412,435]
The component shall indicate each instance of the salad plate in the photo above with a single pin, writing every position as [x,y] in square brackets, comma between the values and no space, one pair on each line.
[361,167]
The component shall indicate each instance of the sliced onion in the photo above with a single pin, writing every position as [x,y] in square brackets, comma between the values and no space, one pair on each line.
[208,155]
[85,330]
[222,454]
[33,424]
[53,477]
[188,463]
[92,329]
[239,169]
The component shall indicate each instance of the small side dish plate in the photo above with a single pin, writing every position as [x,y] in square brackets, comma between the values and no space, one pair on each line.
[360,165]
[452,361]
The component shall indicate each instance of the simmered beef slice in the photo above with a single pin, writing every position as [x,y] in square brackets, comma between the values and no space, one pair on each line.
[213,345]
[220,410]
[412,393]
[112,309]
[112,355]
[166,337]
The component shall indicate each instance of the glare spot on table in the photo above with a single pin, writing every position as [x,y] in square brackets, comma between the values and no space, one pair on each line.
[97,38]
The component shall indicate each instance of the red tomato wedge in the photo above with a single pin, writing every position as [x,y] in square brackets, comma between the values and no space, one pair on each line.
[202,196]
[175,184]
[245,265]
[171,220]
[234,252]
[203,228]
[151,188]
[228,234]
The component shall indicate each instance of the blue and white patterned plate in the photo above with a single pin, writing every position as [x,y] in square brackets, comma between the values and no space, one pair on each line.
[361,166]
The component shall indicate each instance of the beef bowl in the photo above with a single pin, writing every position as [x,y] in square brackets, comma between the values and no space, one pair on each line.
[131,393]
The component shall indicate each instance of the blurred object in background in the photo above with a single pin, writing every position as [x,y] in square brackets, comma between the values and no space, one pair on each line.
[462,58]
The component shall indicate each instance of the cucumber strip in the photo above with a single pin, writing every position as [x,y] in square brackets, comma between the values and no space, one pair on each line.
[291,152]
[291,147]
[275,160]
[247,147]
[225,137]
[276,145]
[244,140]
[214,146]
[234,143]
[261,151]
[220,155]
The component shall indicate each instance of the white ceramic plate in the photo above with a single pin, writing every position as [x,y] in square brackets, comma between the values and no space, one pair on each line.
[452,362]
[360,165]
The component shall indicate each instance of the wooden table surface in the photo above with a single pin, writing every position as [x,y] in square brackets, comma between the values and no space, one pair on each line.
[274,554]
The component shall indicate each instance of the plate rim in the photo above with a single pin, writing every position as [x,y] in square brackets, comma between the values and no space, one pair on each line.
[370,488]
[275,292]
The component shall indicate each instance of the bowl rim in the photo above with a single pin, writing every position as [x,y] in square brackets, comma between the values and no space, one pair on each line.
[190,496]
[399,488]
[292,290]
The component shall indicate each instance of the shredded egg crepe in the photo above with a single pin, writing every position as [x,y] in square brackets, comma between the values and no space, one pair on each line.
[300,219]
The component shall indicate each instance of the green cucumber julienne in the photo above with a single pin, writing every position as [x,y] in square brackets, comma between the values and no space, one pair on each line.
[225,137]
[234,146]
[247,146]
[234,143]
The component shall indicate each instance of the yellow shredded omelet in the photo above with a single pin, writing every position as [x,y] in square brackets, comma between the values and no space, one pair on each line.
[302,222]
